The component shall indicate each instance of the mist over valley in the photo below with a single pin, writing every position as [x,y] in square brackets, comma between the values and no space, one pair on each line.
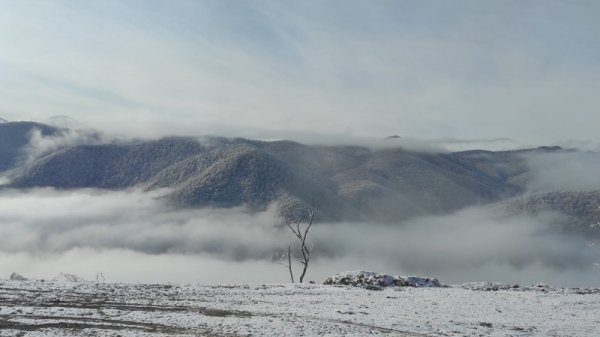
[212,209]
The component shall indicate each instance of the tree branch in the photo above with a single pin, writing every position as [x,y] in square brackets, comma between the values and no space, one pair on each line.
[289,256]
[301,234]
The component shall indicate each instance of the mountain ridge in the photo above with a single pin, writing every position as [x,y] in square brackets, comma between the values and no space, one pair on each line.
[346,182]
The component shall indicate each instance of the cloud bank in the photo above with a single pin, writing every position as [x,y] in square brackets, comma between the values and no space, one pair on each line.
[133,236]
[564,171]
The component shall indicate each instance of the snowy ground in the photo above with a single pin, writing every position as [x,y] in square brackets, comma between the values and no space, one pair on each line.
[59,308]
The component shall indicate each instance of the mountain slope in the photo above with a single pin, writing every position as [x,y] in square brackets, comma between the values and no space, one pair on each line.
[345,182]
[105,166]
[579,211]
[14,138]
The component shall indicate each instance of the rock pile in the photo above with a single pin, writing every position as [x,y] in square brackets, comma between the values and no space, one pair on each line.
[375,281]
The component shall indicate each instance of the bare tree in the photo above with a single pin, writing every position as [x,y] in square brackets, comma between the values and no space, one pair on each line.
[289,265]
[285,259]
[301,232]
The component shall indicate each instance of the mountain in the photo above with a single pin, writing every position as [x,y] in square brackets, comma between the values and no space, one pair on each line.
[14,138]
[579,211]
[351,183]
[110,166]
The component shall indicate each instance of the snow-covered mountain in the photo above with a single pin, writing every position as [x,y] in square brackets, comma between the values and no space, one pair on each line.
[346,182]
[14,140]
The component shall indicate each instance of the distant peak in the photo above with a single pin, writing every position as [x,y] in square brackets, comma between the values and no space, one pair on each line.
[66,122]
[393,137]
[2,120]
[550,148]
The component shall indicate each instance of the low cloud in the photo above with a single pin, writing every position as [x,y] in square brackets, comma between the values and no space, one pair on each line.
[41,145]
[473,244]
[134,236]
[492,144]
[564,171]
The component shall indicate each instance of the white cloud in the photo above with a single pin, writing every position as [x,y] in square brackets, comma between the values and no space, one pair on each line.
[40,144]
[133,236]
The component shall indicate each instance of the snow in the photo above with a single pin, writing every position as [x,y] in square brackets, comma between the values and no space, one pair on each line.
[62,308]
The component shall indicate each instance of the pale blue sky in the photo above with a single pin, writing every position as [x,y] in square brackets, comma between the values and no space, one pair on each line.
[528,70]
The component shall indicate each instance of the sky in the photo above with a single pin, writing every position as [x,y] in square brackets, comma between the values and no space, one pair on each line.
[522,70]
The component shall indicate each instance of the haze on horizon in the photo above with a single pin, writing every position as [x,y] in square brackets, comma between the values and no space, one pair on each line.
[464,69]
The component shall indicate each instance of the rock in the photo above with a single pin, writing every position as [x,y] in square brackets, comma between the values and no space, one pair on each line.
[422,282]
[489,286]
[496,286]
[373,287]
[17,277]
[66,277]
[375,281]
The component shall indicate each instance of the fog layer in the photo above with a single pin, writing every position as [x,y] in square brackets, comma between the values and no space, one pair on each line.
[134,236]
[566,171]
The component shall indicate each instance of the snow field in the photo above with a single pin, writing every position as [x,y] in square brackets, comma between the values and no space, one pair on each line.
[53,308]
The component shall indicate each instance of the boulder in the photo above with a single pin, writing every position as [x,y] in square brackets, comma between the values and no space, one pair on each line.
[17,277]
